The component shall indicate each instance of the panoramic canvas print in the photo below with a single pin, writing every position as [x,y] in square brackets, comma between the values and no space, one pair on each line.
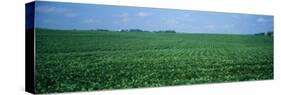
[88,47]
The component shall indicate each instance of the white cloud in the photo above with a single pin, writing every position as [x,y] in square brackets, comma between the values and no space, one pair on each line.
[261,20]
[60,11]
[124,15]
[89,21]
[70,15]
[47,9]
[235,16]
[228,26]
[211,26]
[186,15]
[171,21]
[142,14]
[124,18]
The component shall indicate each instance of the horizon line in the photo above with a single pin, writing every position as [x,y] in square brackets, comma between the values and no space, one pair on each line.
[144,31]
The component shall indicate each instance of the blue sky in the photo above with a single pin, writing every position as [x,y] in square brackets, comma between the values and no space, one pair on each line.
[56,15]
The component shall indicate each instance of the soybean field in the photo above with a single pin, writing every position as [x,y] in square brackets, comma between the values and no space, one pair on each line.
[77,60]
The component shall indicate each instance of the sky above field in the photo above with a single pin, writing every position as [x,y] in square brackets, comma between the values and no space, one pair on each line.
[89,16]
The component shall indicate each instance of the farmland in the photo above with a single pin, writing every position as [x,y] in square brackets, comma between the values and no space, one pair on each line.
[68,60]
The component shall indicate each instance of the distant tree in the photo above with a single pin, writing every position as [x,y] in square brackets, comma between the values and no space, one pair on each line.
[124,30]
[269,33]
[260,34]
[170,31]
[136,30]
[102,30]
[165,31]
[133,30]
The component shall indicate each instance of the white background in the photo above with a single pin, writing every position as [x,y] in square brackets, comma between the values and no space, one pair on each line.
[12,47]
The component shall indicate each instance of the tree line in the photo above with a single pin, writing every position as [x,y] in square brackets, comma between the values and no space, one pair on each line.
[136,30]
[139,30]
[269,33]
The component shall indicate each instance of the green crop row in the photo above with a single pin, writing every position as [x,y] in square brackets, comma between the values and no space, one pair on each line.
[84,61]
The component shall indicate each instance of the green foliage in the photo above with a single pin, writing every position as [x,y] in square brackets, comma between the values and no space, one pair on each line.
[84,61]
[269,33]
